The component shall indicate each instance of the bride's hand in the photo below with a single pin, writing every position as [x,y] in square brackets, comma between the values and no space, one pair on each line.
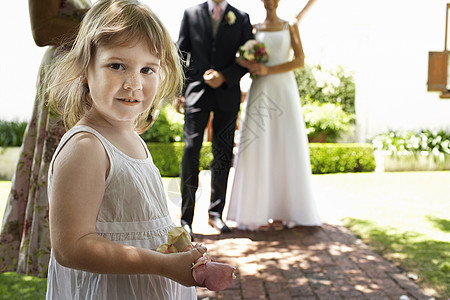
[244,63]
[259,69]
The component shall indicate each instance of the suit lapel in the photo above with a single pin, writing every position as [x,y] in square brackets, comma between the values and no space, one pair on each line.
[223,22]
[206,17]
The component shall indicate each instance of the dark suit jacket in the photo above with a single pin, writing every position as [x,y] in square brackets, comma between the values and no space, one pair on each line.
[206,53]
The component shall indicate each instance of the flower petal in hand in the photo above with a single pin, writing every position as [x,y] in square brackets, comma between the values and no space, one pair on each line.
[214,275]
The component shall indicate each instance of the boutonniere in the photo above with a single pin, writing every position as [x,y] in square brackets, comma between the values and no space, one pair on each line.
[230,18]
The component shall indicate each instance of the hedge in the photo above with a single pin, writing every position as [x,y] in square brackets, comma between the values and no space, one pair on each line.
[341,158]
[325,157]
[167,157]
[11,133]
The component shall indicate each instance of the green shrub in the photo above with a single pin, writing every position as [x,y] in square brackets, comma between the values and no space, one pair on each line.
[167,157]
[11,133]
[327,119]
[325,158]
[167,128]
[326,86]
[328,100]
[426,142]
[341,158]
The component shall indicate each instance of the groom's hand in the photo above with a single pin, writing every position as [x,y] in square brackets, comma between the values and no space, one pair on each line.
[213,78]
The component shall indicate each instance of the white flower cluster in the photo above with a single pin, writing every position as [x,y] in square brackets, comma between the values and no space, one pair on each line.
[231,18]
[248,49]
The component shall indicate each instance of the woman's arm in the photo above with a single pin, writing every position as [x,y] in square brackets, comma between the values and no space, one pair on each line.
[244,63]
[304,10]
[297,62]
[47,27]
[78,184]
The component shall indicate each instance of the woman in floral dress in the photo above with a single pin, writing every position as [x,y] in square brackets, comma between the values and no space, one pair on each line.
[24,237]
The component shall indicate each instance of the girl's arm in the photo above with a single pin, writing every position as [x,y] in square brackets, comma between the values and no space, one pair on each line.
[47,27]
[297,62]
[78,184]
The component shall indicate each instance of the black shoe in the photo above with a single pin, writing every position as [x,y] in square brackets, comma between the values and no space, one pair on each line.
[217,223]
[189,230]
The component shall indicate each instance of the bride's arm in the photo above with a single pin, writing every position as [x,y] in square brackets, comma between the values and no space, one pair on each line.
[244,63]
[297,62]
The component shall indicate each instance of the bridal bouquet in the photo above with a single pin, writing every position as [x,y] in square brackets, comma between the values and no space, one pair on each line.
[253,50]
[215,276]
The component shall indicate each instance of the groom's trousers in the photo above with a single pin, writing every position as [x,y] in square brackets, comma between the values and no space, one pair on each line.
[224,126]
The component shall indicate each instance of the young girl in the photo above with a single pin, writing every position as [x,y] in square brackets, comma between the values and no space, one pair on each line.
[107,205]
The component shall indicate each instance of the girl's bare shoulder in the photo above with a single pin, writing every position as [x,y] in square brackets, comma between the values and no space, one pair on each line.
[83,148]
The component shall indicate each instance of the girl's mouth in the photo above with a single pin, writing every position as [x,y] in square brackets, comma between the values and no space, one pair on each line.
[128,100]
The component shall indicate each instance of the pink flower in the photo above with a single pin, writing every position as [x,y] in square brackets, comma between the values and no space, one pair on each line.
[254,50]
[214,275]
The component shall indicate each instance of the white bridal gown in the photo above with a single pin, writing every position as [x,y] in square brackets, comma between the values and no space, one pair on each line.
[272,167]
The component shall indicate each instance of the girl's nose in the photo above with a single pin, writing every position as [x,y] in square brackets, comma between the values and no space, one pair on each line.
[132,82]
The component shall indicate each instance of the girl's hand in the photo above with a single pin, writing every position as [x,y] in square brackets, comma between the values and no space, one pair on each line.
[178,266]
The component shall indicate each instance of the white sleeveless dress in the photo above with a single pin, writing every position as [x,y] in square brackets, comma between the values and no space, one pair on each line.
[272,166]
[133,212]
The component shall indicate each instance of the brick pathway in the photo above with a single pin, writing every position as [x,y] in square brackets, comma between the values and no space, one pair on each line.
[325,262]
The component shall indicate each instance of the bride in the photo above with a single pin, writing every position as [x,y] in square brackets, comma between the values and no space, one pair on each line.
[272,183]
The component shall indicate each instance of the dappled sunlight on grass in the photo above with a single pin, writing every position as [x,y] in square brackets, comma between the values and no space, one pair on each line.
[441,224]
[414,251]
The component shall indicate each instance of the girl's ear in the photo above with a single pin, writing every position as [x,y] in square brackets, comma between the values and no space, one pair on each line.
[83,78]
[84,82]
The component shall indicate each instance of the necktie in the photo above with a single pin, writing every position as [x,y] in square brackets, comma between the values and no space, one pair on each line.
[217,11]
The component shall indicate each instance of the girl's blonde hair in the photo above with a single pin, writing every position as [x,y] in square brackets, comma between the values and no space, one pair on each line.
[112,22]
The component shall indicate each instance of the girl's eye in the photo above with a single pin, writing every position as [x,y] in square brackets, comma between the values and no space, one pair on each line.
[116,66]
[147,70]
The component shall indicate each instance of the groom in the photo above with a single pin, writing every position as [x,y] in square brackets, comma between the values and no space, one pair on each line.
[210,36]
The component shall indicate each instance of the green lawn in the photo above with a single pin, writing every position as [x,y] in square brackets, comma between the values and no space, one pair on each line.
[403,216]
[20,287]
[14,286]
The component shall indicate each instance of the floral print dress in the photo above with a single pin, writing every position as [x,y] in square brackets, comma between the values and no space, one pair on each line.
[24,237]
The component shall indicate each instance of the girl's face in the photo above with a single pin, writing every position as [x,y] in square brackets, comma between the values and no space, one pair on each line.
[123,80]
